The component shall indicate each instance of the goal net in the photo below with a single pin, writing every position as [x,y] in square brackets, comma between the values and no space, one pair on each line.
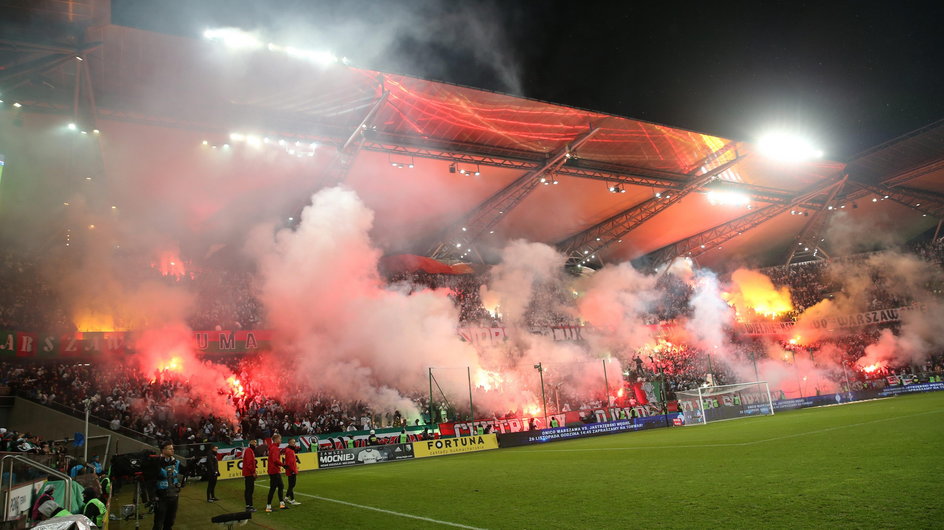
[725,402]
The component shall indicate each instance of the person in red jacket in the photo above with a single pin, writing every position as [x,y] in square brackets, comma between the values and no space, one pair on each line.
[249,473]
[275,473]
[291,471]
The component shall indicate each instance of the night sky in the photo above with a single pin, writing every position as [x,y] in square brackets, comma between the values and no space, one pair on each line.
[849,74]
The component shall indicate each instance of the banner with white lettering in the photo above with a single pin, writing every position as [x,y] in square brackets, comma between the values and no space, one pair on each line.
[372,454]
[851,320]
[598,414]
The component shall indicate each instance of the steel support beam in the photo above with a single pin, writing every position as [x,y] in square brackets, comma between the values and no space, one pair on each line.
[585,245]
[695,245]
[924,202]
[809,237]
[484,217]
[347,152]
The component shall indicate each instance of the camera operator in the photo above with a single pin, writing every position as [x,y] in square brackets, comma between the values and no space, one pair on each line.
[169,482]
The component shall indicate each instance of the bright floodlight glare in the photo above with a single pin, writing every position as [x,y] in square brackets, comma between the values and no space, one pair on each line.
[233,38]
[323,58]
[787,147]
[728,198]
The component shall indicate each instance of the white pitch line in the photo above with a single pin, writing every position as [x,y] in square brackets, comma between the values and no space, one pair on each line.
[381,510]
[740,444]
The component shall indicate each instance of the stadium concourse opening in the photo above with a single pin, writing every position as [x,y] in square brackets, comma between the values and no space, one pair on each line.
[214,239]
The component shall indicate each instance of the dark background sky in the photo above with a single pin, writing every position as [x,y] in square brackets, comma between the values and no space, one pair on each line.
[850,74]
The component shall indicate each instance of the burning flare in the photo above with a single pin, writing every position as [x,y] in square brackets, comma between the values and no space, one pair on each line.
[754,294]
[235,386]
[93,321]
[487,380]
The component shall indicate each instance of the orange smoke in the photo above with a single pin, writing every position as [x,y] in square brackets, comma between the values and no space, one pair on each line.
[170,265]
[92,321]
[755,295]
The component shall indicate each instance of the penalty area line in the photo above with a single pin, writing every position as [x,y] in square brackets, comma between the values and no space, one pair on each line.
[381,510]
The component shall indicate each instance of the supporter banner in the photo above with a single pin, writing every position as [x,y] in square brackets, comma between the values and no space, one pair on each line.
[211,343]
[86,344]
[232,342]
[868,318]
[599,414]
[482,336]
[765,328]
[364,455]
[234,468]
[454,446]
[325,442]
[578,431]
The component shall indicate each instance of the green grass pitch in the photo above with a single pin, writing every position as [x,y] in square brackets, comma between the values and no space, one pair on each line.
[873,464]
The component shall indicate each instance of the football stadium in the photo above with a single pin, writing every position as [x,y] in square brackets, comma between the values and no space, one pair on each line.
[249,283]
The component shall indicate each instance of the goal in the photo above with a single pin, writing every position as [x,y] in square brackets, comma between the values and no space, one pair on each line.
[725,402]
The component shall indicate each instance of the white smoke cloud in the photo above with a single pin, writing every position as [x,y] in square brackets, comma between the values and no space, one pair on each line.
[711,316]
[524,267]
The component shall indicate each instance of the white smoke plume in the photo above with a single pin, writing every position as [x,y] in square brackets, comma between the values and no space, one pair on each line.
[339,329]
[524,268]
[711,316]
[615,301]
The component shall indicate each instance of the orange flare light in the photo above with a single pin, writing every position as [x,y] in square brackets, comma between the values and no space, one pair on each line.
[174,364]
[170,265]
[487,380]
[236,387]
[755,294]
[871,368]
[95,322]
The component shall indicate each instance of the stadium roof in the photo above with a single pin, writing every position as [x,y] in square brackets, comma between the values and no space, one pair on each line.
[475,168]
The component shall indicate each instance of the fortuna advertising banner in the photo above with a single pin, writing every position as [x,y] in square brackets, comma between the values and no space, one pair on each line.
[455,446]
[234,468]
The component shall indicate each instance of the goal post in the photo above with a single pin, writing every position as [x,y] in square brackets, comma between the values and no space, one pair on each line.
[725,402]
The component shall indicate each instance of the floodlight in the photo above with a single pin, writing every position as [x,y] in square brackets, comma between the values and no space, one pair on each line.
[233,38]
[727,198]
[787,147]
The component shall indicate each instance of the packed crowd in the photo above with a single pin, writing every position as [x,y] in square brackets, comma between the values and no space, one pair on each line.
[122,399]
[224,298]
[155,408]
